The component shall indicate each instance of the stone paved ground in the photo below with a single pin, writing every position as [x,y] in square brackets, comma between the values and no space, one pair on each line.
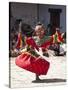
[56,74]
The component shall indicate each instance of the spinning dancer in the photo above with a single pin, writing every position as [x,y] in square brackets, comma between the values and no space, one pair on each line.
[29,59]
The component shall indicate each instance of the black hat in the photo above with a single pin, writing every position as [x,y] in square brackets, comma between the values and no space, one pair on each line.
[26,29]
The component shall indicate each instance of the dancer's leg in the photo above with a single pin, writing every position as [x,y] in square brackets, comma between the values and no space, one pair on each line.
[37,77]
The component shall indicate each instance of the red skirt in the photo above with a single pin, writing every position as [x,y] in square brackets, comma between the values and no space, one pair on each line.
[33,64]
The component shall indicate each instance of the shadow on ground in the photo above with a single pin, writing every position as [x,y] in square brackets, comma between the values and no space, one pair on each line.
[49,80]
[7,85]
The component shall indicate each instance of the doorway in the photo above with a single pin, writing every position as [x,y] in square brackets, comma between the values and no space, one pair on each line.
[54,19]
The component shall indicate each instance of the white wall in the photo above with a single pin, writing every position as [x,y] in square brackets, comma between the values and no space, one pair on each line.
[28,12]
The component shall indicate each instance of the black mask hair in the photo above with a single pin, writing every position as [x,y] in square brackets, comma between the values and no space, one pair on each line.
[26,29]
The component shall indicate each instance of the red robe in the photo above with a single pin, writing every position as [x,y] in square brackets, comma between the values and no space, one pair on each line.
[32,63]
[19,41]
